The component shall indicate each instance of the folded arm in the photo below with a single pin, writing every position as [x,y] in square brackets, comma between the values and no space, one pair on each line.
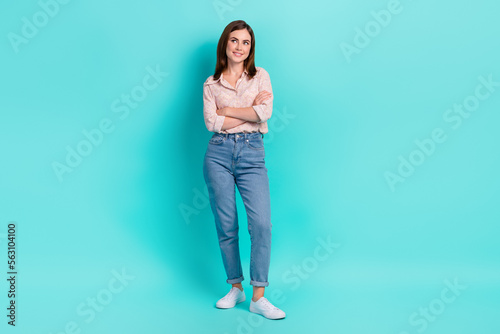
[264,109]
[213,121]
[245,114]
[231,122]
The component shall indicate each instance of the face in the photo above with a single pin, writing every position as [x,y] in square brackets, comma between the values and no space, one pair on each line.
[238,46]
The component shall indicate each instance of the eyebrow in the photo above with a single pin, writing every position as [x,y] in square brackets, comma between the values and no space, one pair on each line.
[246,40]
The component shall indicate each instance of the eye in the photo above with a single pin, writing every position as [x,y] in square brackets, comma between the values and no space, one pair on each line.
[234,40]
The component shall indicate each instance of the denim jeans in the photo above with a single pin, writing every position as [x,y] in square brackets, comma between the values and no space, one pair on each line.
[237,159]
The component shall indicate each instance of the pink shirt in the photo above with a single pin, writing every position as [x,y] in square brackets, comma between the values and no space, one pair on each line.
[218,94]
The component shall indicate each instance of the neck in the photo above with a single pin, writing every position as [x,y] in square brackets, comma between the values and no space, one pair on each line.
[234,69]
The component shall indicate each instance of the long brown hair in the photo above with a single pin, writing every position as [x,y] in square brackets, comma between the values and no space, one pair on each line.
[248,63]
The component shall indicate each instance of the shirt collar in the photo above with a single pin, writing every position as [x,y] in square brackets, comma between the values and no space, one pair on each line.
[212,81]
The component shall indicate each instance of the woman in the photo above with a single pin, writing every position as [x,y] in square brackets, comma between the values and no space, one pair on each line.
[238,101]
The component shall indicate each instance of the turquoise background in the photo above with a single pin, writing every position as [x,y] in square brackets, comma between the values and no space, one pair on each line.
[340,123]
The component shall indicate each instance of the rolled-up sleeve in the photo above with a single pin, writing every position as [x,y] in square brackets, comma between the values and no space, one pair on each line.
[265,109]
[213,121]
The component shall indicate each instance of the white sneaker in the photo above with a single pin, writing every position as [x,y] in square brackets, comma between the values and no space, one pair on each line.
[268,310]
[233,297]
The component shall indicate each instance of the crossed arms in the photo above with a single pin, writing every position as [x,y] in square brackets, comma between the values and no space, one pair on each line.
[217,120]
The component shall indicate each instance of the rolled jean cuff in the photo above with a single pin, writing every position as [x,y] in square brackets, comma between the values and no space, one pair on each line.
[255,283]
[235,280]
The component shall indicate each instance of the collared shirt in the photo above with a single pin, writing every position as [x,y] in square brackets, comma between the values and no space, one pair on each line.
[219,93]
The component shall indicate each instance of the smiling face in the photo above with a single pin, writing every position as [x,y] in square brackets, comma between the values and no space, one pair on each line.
[238,46]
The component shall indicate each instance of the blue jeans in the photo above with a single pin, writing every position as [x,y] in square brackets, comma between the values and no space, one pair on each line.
[238,159]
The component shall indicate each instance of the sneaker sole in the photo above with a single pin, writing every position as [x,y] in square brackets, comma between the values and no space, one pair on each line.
[272,318]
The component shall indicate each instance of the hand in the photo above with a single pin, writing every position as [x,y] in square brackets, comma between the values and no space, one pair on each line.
[221,112]
[263,95]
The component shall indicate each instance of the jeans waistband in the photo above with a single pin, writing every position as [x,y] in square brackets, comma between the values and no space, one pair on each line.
[242,135]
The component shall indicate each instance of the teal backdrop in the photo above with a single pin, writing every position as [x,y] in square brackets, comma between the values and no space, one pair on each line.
[382,156]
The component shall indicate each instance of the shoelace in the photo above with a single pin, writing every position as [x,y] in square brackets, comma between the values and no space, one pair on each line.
[267,304]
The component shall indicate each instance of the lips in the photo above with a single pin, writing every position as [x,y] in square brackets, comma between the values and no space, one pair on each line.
[238,54]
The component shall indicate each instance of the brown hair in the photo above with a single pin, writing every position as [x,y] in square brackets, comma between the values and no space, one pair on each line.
[248,63]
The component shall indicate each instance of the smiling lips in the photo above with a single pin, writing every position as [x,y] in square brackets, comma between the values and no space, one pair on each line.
[238,54]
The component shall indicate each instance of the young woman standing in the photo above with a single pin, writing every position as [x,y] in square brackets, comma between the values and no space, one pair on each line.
[237,102]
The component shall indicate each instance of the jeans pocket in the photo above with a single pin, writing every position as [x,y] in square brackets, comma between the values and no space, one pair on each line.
[216,140]
[255,143]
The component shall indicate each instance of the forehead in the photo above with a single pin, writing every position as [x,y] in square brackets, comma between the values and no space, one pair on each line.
[240,34]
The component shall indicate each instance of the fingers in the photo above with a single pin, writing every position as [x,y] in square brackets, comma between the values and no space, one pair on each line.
[263,95]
